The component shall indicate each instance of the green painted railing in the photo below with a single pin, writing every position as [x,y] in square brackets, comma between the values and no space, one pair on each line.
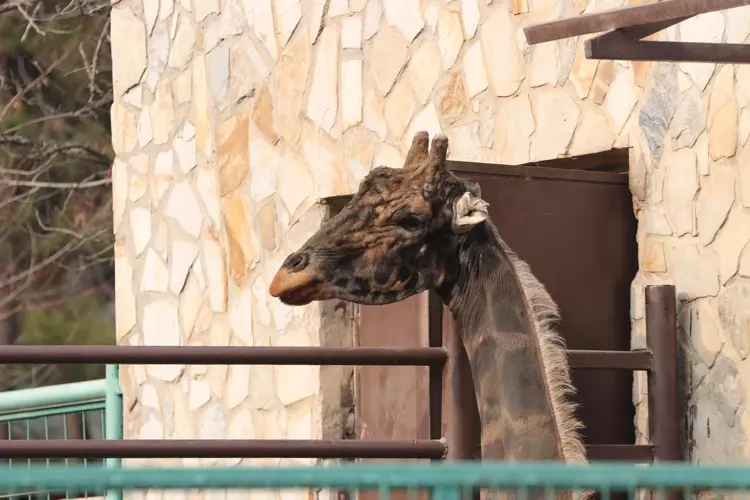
[445,480]
[81,410]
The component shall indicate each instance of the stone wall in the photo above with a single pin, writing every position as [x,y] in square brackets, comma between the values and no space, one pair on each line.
[232,117]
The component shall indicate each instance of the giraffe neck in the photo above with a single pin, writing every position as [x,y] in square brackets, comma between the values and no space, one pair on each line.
[517,361]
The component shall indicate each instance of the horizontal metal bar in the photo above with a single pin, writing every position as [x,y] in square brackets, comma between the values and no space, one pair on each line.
[223,355]
[610,360]
[624,452]
[51,395]
[645,50]
[223,448]
[597,476]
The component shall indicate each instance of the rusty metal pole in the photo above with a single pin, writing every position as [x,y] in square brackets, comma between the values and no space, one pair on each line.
[663,401]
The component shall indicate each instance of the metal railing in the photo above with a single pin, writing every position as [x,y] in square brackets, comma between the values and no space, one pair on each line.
[82,412]
[659,361]
[441,480]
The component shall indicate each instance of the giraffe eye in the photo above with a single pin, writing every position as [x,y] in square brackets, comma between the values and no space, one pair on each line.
[410,222]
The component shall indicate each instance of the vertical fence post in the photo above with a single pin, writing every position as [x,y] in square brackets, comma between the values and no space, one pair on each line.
[113,419]
[663,406]
[435,338]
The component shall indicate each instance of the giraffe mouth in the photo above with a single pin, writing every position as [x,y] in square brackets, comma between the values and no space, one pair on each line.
[296,289]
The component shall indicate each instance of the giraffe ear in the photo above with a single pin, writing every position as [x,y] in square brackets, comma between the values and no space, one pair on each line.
[468,211]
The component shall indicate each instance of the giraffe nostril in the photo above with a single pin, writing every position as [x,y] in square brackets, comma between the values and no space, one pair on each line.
[296,262]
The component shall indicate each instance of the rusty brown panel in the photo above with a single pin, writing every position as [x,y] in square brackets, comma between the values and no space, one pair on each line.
[576,230]
[461,424]
[393,402]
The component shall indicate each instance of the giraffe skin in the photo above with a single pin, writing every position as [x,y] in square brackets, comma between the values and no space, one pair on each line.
[420,227]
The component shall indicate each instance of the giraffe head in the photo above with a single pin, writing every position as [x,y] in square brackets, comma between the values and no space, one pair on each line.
[397,236]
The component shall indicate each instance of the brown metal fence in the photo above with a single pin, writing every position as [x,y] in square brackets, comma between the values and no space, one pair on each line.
[659,360]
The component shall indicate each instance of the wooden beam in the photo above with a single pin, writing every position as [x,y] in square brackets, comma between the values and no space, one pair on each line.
[619,47]
[624,17]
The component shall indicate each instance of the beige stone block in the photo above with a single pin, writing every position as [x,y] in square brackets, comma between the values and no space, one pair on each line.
[743,177]
[722,116]
[322,102]
[182,46]
[731,240]
[262,115]
[199,395]
[453,98]
[428,120]
[289,82]
[150,14]
[505,65]
[233,152]
[182,86]
[201,103]
[129,43]
[338,8]
[406,15]
[387,57]
[351,32]
[424,69]
[470,18]
[241,425]
[183,207]
[399,108]
[214,258]
[158,53]
[162,112]
[714,201]
[514,124]
[120,187]
[373,114]
[295,183]
[181,258]
[265,221]
[124,128]
[706,335]
[243,251]
[475,75]
[264,163]
[544,65]
[155,276]
[519,6]
[620,100]
[207,186]
[373,13]
[602,81]
[450,37]
[288,15]
[704,28]
[680,188]
[140,228]
[125,305]
[351,99]
[593,135]
[556,116]
[160,323]
[145,131]
[162,176]
[325,165]
[652,257]
[466,143]
[241,316]
[695,274]
[205,8]
[184,147]
[238,385]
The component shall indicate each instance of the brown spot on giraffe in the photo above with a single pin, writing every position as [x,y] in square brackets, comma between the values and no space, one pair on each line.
[420,227]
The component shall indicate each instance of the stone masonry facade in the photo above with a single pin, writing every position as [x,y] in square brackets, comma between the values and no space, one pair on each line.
[231,118]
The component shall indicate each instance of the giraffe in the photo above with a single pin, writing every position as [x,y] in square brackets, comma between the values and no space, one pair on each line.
[420,227]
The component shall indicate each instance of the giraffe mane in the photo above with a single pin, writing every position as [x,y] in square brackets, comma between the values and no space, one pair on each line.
[544,314]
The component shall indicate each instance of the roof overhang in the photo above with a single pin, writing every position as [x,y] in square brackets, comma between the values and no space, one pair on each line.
[626,27]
